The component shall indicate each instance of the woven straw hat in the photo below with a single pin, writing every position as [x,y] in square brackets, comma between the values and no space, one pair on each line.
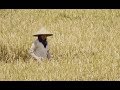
[43,31]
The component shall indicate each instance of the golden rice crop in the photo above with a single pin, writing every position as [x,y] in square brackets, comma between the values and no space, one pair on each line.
[85,44]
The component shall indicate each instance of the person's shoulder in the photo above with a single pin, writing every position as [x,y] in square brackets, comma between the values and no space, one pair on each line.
[35,41]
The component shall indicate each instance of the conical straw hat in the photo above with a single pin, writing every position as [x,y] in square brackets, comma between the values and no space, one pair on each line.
[43,31]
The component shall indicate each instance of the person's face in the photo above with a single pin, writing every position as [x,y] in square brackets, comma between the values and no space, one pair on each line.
[43,37]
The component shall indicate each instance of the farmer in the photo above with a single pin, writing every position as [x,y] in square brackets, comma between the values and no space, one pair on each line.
[39,49]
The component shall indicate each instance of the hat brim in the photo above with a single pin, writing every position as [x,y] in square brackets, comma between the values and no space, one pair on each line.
[43,34]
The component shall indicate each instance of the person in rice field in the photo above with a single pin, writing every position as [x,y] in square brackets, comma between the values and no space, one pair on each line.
[40,49]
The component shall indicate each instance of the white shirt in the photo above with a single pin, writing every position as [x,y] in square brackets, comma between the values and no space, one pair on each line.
[38,50]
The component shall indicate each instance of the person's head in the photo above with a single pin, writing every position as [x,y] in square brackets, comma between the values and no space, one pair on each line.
[42,37]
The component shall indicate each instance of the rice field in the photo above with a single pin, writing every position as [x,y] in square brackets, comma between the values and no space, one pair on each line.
[85,44]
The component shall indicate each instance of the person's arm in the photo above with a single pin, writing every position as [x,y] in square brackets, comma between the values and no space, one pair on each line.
[31,51]
[48,54]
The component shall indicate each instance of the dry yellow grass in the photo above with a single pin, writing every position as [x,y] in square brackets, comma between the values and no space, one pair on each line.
[85,45]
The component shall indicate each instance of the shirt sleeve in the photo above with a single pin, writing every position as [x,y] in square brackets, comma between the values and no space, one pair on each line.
[32,49]
[48,53]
